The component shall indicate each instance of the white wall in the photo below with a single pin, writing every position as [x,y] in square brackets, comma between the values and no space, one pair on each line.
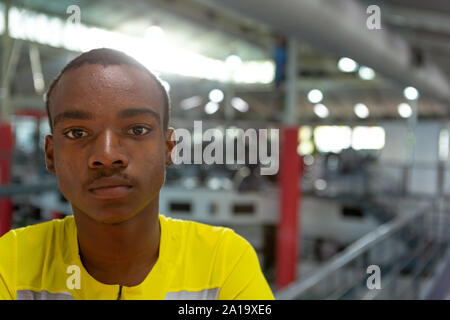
[395,149]
[423,178]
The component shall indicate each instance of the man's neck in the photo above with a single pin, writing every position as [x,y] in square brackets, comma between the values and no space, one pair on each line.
[122,253]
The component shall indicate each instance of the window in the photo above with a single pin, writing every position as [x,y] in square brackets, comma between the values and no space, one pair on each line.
[332,138]
[368,138]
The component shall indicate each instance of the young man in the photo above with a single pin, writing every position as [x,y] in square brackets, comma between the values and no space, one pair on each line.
[109,146]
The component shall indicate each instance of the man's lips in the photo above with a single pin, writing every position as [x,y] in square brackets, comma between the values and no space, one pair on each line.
[111,192]
[110,188]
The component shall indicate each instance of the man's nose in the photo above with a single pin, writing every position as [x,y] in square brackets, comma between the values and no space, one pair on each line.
[107,152]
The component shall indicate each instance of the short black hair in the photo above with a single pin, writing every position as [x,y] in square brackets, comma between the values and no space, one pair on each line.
[107,57]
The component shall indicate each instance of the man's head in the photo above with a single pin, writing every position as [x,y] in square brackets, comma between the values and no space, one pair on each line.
[107,57]
[110,139]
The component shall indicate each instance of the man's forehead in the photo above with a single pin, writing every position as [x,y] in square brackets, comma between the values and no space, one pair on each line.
[92,85]
[77,114]
[117,76]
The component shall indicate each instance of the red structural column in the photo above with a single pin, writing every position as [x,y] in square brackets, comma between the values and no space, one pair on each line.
[56,215]
[289,186]
[6,147]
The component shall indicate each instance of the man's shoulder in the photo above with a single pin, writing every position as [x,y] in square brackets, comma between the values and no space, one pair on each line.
[196,228]
[206,235]
[30,254]
[32,236]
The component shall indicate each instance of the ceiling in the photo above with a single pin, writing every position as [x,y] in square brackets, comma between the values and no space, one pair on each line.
[200,26]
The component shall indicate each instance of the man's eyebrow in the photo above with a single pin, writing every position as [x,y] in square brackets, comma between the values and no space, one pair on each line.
[73,114]
[131,112]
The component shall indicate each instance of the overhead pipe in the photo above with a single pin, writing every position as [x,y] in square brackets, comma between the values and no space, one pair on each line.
[340,28]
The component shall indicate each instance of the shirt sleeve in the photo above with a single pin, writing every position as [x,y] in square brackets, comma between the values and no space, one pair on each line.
[7,266]
[245,280]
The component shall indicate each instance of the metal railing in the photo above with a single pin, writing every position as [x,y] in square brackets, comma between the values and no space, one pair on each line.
[23,189]
[406,251]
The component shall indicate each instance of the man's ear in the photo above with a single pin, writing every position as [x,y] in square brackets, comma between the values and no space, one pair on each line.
[49,156]
[170,144]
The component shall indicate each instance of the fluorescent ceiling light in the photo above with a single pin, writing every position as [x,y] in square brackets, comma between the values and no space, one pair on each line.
[315,96]
[211,107]
[165,57]
[366,73]
[361,110]
[216,95]
[239,104]
[154,33]
[347,65]
[404,110]
[411,93]
[191,102]
[321,111]
[233,62]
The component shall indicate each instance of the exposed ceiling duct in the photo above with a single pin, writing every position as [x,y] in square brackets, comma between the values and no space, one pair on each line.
[339,27]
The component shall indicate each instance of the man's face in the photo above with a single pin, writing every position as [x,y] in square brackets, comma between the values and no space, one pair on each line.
[108,147]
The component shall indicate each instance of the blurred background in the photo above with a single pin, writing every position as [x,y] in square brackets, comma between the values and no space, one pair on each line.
[358,90]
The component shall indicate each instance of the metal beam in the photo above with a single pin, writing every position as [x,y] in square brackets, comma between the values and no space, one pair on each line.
[207,16]
[21,189]
[339,27]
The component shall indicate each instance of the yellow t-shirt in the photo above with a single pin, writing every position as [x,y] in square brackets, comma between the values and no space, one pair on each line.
[196,261]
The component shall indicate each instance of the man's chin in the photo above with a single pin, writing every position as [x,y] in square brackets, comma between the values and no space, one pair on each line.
[109,212]
[113,218]
[109,216]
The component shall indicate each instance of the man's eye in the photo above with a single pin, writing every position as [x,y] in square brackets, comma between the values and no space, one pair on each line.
[138,131]
[75,134]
